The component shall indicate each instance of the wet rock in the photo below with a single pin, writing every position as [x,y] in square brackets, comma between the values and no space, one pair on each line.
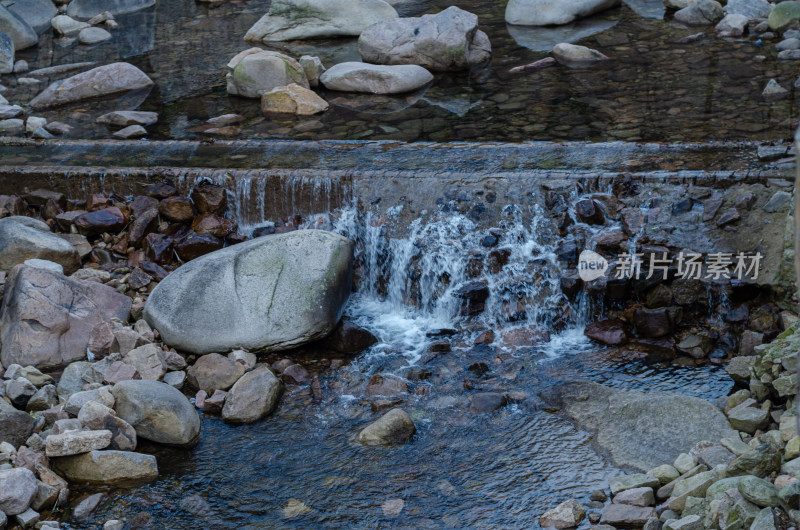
[652,322]
[294,374]
[292,99]
[209,198]
[214,303]
[394,427]
[732,25]
[589,212]
[107,467]
[255,71]
[568,54]
[214,372]
[610,332]
[781,16]
[473,296]
[47,318]
[194,245]
[313,68]
[124,118]
[209,223]
[6,56]
[21,33]
[544,13]
[93,35]
[83,510]
[773,91]
[253,397]
[214,403]
[17,488]
[36,13]
[349,338]
[104,80]
[636,427]
[375,79]
[131,131]
[385,385]
[158,247]
[449,40]
[176,209]
[568,514]
[65,25]
[15,425]
[486,402]
[303,19]
[157,411]
[700,13]
[110,220]
[19,243]
[87,9]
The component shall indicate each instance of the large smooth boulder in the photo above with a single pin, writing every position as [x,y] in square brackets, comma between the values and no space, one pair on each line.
[15,425]
[375,79]
[18,486]
[306,19]
[36,13]
[19,242]
[157,411]
[23,35]
[253,396]
[6,57]
[104,80]
[255,71]
[641,430]
[107,467]
[47,318]
[267,294]
[90,8]
[553,12]
[449,40]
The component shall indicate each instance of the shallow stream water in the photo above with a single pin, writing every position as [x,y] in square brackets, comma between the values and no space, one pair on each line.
[657,86]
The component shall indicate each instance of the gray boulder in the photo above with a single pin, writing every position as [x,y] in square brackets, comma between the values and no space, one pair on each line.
[752,9]
[253,397]
[6,54]
[15,425]
[23,35]
[19,243]
[393,427]
[449,40]
[47,318]
[158,412]
[18,486]
[214,372]
[551,13]
[641,430]
[36,13]
[700,13]
[104,80]
[268,294]
[306,19]
[255,71]
[90,8]
[375,79]
[71,380]
[107,467]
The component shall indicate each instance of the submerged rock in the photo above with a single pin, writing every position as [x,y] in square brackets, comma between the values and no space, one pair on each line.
[393,427]
[90,8]
[548,12]
[255,71]
[269,293]
[641,430]
[47,318]
[566,53]
[104,80]
[449,40]
[305,19]
[375,79]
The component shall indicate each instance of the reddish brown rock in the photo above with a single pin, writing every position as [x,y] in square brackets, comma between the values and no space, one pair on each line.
[652,322]
[210,198]
[487,337]
[110,220]
[195,245]
[161,190]
[349,337]
[120,371]
[209,223]
[97,201]
[47,319]
[589,212]
[144,223]
[611,332]
[67,219]
[141,204]
[213,404]
[176,209]
[386,385]
[158,248]
[294,374]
